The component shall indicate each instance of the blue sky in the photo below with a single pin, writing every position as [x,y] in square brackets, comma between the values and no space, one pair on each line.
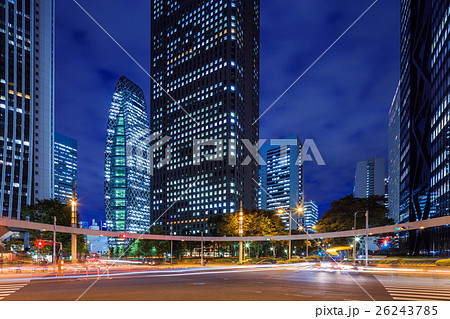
[342,102]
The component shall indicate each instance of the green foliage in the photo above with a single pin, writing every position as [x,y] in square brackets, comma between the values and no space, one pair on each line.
[150,247]
[340,216]
[43,212]
[256,223]
[443,262]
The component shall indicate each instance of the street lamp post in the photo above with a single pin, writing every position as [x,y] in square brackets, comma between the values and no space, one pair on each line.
[241,232]
[54,240]
[74,236]
[290,233]
[307,242]
[74,221]
[201,254]
[354,242]
[298,210]
[171,246]
[367,238]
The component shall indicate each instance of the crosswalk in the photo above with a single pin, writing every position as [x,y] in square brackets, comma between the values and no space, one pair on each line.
[8,289]
[417,293]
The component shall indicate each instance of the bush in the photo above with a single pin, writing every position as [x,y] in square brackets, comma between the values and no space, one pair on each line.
[443,262]
[313,258]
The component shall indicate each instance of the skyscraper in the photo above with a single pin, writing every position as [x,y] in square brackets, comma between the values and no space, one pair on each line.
[127,162]
[65,166]
[440,128]
[369,178]
[281,174]
[394,160]
[26,103]
[415,115]
[311,214]
[205,63]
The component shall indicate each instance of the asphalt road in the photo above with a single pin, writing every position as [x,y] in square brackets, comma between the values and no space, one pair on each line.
[239,283]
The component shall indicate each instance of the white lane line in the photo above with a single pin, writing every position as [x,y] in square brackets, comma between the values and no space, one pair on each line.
[419,289]
[408,299]
[425,297]
[422,292]
[206,273]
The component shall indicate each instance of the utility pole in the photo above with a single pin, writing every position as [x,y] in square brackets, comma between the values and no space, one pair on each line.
[241,231]
[201,253]
[74,221]
[354,241]
[54,240]
[367,238]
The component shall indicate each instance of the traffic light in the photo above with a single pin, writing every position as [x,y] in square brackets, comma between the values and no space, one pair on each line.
[123,236]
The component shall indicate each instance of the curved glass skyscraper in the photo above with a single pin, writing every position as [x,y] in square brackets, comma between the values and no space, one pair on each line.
[127,164]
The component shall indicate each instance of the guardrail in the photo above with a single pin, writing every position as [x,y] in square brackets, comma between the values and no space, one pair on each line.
[433,222]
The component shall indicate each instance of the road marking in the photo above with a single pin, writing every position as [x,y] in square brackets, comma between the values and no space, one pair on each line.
[429,296]
[8,289]
[199,283]
[417,293]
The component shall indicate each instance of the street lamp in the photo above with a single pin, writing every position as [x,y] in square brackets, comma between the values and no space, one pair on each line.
[74,225]
[241,231]
[282,211]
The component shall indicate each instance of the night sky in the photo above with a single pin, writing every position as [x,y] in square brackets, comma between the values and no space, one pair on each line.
[342,102]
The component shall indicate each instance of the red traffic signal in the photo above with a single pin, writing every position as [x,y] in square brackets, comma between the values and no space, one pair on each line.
[123,236]
[40,243]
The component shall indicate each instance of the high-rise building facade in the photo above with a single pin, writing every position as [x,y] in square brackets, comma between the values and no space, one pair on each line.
[66,154]
[440,128]
[394,160]
[205,65]
[369,178]
[127,161]
[26,103]
[281,173]
[310,215]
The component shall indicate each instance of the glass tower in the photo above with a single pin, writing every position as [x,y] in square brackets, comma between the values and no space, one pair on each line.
[282,176]
[127,164]
[311,215]
[26,103]
[394,160]
[205,62]
[440,128]
[415,115]
[65,166]
[369,178]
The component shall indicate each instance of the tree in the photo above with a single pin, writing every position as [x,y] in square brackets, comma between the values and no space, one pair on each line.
[340,216]
[43,212]
[150,246]
[256,223]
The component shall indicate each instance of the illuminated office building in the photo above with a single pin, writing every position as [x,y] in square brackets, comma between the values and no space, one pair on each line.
[311,215]
[281,174]
[369,178]
[424,114]
[26,103]
[65,166]
[205,54]
[394,161]
[127,164]
[440,128]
